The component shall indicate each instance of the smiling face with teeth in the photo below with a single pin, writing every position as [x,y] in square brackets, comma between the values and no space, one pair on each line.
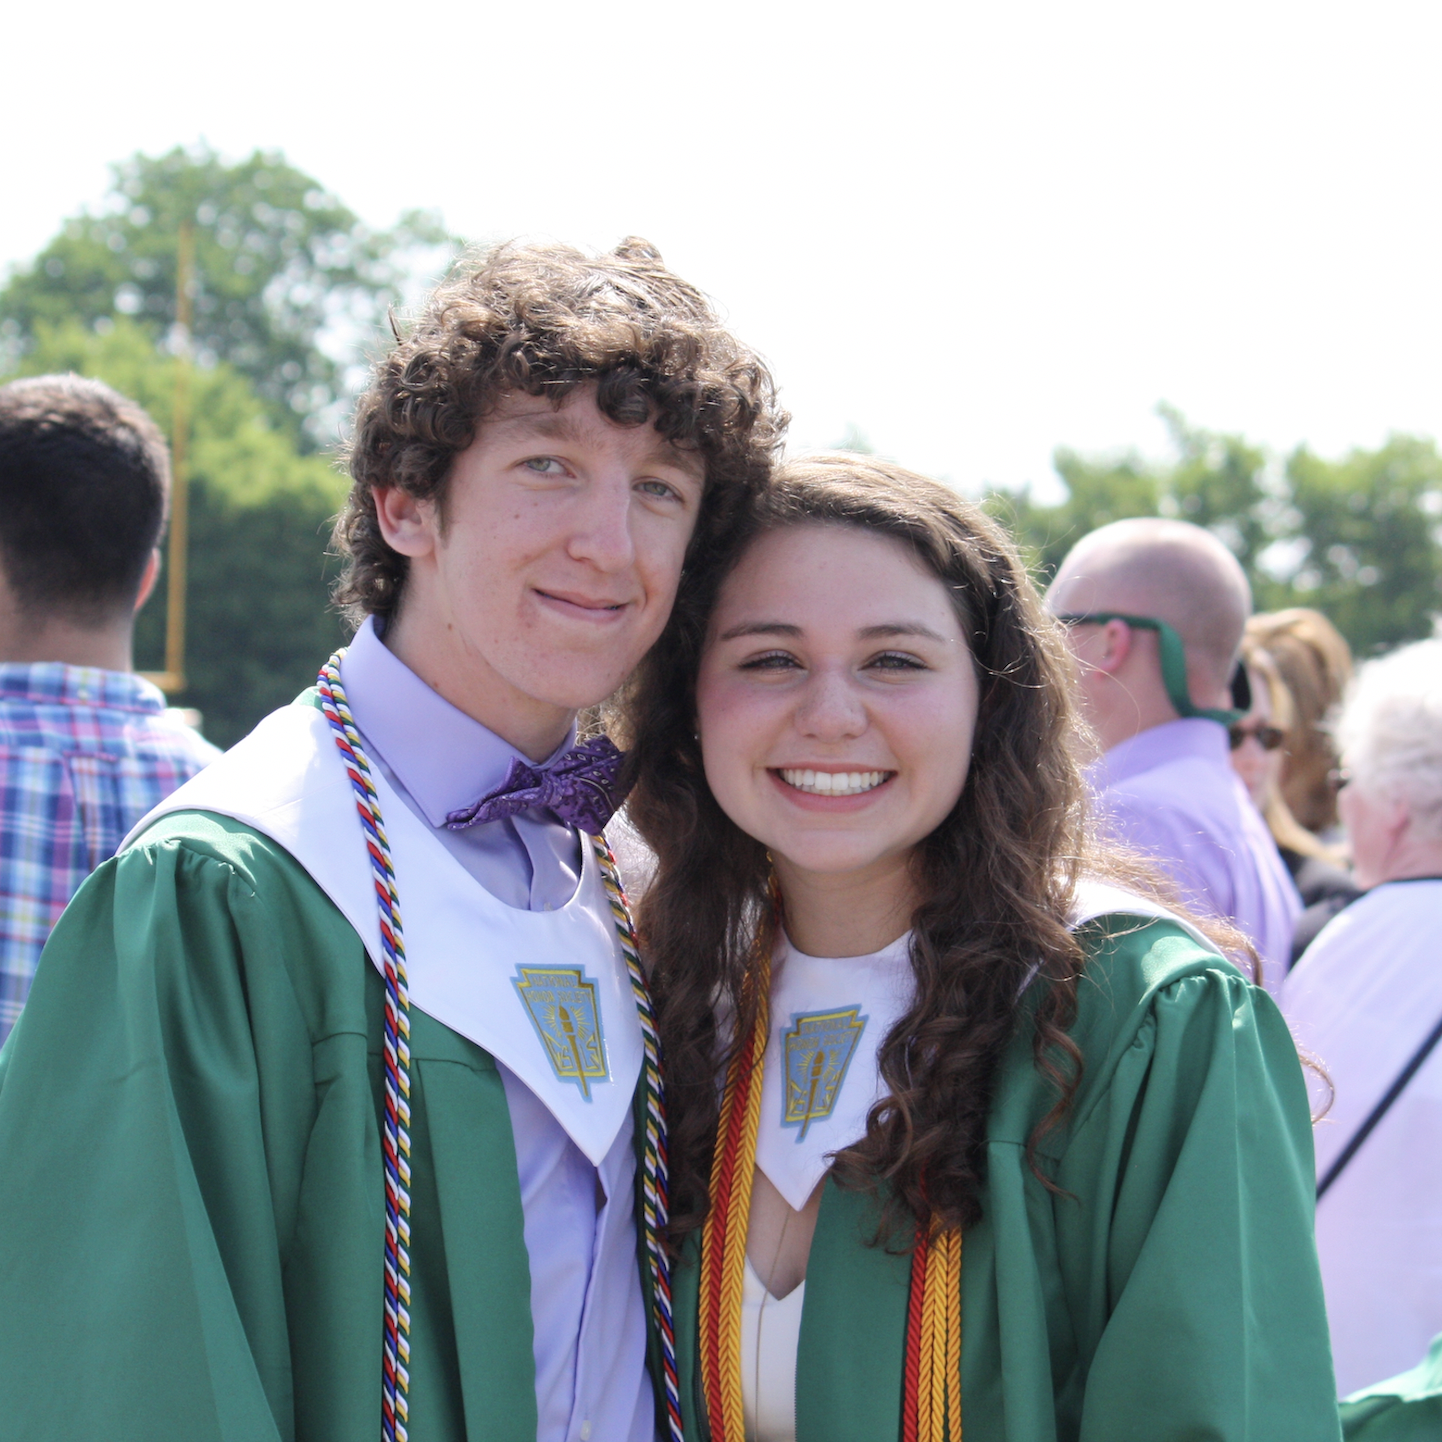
[836,703]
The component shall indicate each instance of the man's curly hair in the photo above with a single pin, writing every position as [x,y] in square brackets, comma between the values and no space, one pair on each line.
[545,319]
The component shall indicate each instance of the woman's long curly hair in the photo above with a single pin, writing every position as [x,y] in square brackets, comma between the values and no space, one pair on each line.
[995,879]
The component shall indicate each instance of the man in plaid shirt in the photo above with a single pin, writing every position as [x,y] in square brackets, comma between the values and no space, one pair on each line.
[86,746]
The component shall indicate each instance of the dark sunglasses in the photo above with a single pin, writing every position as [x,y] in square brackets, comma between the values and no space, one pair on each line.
[1267,737]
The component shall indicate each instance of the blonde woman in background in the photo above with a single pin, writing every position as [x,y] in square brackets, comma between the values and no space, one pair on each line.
[1315,664]
[1259,757]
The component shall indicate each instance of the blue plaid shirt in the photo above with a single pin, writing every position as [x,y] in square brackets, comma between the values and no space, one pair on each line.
[84,754]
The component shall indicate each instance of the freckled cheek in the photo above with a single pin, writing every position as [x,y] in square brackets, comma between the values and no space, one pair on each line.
[725,755]
[493,553]
[936,752]
[478,584]
[660,555]
[737,725]
[930,733]
[524,531]
[720,708]
[656,585]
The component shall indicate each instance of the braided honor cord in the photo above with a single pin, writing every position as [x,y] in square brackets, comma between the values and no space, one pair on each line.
[396,1142]
[653,1166]
[931,1385]
[723,1237]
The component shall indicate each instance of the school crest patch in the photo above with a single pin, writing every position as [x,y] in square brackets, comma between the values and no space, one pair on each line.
[818,1049]
[561,1002]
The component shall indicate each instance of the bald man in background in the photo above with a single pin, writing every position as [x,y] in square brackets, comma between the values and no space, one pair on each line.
[1155,611]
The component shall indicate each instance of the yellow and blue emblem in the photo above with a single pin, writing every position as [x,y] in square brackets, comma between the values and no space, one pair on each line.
[818,1048]
[561,1002]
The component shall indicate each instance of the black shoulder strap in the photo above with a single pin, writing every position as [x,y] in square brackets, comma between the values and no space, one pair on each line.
[1379,1111]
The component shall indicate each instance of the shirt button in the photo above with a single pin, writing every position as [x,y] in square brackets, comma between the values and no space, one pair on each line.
[585,1432]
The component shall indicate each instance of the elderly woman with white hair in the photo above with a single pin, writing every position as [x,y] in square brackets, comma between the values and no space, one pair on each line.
[1366,1000]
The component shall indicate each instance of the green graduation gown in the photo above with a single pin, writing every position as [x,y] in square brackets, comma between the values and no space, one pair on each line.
[1169,1294]
[190,1173]
[1403,1409]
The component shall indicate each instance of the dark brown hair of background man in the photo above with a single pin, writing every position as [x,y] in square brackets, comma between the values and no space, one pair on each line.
[84,485]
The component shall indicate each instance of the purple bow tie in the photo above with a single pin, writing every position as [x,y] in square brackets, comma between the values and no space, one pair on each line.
[580,788]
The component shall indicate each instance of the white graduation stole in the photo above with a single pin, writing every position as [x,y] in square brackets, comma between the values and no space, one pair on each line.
[819,1079]
[544,992]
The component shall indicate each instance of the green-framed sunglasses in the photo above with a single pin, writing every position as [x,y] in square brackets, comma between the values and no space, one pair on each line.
[1174,666]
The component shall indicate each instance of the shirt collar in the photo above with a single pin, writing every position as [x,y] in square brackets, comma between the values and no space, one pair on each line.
[54,682]
[1171,741]
[444,758]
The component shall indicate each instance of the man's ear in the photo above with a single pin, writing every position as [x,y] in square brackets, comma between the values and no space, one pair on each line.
[1118,645]
[147,580]
[407,523]
[1110,646]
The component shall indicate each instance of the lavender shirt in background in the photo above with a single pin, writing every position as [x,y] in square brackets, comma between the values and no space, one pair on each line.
[1171,794]
[587,1312]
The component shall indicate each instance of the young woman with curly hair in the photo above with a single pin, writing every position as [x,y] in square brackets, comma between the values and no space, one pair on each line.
[961,1128]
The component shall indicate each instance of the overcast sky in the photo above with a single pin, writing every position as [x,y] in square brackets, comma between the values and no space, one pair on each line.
[974,232]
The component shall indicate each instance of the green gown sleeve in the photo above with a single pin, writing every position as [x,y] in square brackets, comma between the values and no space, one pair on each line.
[135,1144]
[1188,1261]
[1404,1409]
[190,1175]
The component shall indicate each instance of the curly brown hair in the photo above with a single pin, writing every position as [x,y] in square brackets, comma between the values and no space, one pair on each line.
[546,319]
[996,878]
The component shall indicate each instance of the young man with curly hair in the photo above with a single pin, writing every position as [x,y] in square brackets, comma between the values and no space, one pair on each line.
[333,1105]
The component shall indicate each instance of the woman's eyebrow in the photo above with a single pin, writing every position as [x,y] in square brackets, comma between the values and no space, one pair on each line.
[867,633]
[760,628]
[898,628]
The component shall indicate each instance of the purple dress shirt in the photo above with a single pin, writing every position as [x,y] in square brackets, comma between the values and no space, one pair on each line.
[1170,793]
[587,1312]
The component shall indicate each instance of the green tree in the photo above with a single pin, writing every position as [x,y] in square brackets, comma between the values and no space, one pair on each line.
[1099,490]
[1217,482]
[259,621]
[1359,539]
[286,279]
[1368,550]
